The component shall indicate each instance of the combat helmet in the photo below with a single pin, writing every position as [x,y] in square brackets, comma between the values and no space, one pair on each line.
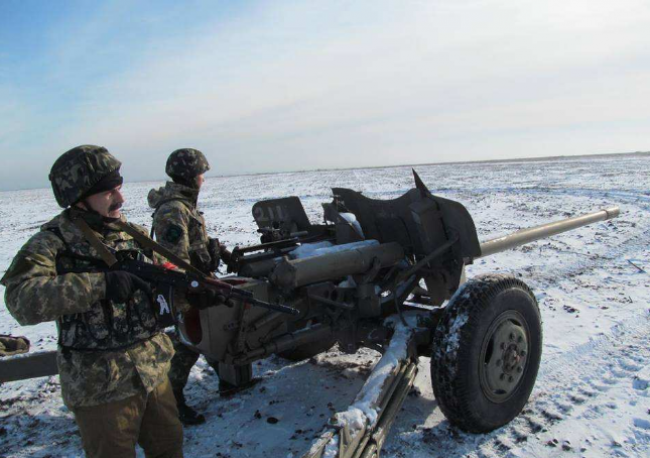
[186,163]
[79,170]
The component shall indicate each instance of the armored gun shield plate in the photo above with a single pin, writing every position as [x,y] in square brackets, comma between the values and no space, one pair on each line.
[286,213]
[417,220]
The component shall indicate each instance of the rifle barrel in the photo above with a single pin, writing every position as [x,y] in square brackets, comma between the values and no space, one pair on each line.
[274,307]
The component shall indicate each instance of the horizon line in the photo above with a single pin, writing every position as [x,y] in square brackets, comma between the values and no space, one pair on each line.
[428,164]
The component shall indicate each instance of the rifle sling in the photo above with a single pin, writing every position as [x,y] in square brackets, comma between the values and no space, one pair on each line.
[108,257]
[161,250]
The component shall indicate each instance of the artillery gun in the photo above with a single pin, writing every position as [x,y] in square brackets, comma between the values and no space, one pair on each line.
[387,275]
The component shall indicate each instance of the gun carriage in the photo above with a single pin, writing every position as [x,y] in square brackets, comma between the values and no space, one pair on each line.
[387,275]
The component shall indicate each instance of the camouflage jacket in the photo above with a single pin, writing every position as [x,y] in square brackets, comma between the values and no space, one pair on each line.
[105,354]
[179,226]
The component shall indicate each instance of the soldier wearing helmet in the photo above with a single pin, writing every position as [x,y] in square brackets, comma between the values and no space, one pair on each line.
[113,358]
[179,226]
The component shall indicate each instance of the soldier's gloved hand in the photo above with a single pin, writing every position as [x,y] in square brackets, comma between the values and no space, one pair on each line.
[121,285]
[226,255]
[214,248]
[202,261]
[204,299]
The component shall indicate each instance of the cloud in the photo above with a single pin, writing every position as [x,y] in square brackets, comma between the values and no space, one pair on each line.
[292,85]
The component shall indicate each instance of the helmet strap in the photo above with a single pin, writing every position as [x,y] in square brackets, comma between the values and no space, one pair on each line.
[87,207]
[190,183]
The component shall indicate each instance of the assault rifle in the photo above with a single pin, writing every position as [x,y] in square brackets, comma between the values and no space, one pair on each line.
[165,278]
[218,292]
[192,280]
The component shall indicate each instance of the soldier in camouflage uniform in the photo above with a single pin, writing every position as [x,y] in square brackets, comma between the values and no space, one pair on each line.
[179,226]
[113,358]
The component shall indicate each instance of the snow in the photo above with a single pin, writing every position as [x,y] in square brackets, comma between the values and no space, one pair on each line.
[322,248]
[364,411]
[591,398]
[308,249]
[459,321]
[332,448]
[453,343]
[352,219]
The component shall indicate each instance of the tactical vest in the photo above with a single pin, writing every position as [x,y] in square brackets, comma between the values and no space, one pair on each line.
[107,325]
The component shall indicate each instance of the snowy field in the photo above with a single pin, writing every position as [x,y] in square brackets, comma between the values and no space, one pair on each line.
[592,397]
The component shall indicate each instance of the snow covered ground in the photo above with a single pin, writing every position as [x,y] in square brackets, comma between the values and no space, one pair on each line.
[592,397]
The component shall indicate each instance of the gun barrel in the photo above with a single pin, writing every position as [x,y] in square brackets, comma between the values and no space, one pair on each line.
[532,234]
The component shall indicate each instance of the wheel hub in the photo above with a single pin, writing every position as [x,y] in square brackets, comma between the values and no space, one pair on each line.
[504,358]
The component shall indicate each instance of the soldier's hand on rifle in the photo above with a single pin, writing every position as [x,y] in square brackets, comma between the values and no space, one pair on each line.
[121,285]
[204,299]
[208,298]
[214,248]
[219,252]
[226,256]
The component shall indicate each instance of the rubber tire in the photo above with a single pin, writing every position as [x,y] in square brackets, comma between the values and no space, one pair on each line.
[457,348]
[307,351]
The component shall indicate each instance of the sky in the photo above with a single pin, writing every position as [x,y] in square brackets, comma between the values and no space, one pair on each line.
[265,86]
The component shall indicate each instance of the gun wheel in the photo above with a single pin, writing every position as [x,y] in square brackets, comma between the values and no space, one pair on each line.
[486,353]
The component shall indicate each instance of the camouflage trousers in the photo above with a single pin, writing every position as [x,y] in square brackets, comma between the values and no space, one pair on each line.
[184,359]
[113,429]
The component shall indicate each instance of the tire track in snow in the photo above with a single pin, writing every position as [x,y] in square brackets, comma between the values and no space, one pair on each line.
[635,244]
[580,381]
[546,273]
[572,381]
[583,374]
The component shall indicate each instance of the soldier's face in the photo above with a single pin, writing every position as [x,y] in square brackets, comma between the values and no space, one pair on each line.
[107,203]
[200,179]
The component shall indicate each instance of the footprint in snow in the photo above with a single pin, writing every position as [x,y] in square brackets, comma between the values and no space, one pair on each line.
[642,423]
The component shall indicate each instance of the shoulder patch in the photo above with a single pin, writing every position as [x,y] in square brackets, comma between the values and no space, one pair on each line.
[173,233]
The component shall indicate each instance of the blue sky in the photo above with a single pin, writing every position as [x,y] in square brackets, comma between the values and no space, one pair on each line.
[287,85]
